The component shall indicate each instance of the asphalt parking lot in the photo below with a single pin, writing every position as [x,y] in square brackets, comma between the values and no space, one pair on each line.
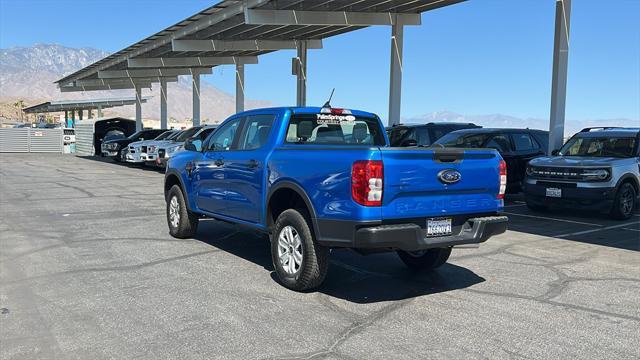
[89,271]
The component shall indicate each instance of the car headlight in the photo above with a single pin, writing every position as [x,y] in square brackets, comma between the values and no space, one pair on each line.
[152,148]
[113,146]
[174,149]
[529,170]
[596,174]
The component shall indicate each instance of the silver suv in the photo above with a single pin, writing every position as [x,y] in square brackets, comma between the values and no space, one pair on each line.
[597,168]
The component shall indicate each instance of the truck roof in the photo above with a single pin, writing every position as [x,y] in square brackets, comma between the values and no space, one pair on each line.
[493,130]
[309,110]
[609,131]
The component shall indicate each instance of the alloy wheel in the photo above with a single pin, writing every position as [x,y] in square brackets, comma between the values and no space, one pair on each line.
[290,249]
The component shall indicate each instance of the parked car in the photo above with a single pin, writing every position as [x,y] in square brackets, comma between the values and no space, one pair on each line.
[117,148]
[597,169]
[517,147]
[320,178]
[197,134]
[138,151]
[423,134]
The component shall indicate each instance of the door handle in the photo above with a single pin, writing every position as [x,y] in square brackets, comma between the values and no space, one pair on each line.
[253,164]
[219,162]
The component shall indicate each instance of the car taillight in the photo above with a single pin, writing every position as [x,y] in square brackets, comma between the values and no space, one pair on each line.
[366,182]
[503,179]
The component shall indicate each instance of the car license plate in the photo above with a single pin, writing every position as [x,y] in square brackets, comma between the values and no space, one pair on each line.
[437,227]
[554,192]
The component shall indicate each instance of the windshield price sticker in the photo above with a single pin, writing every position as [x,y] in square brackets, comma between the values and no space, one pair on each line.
[328,119]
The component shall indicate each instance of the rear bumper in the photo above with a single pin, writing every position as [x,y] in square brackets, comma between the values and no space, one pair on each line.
[411,237]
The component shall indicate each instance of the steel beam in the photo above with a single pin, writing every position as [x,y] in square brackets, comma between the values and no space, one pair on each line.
[149,73]
[559,76]
[331,18]
[102,87]
[300,65]
[239,88]
[190,62]
[239,45]
[196,98]
[120,81]
[163,104]
[395,74]
[138,108]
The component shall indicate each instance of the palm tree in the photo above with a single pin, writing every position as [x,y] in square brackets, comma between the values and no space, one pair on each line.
[20,105]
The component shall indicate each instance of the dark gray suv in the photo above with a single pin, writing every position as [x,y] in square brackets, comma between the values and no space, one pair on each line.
[598,168]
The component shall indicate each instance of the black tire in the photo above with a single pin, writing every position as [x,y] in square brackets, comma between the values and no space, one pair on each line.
[314,261]
[186,224]
[624,202]
[427,260]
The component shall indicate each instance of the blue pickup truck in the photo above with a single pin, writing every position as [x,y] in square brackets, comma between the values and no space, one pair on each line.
[321,178]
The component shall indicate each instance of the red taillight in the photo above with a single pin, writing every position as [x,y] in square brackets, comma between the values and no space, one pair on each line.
[503,179]
[366,182]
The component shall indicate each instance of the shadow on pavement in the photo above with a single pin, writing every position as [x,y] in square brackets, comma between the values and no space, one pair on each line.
[352,277]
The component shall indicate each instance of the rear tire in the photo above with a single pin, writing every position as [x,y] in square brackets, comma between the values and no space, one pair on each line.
[182,222]
[624,202]
[300,262]
[425,260]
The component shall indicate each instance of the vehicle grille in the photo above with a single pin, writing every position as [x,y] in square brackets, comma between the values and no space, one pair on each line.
[560,173]
[132,150]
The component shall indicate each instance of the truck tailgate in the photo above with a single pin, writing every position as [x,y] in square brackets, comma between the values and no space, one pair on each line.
[414,189]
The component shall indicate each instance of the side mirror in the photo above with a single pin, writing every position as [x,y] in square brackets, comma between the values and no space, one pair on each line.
[409,143]
[189,145]
[555,152]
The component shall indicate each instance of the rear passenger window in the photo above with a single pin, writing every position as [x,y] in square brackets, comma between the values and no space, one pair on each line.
[523,142]
[500,143]
[256,131]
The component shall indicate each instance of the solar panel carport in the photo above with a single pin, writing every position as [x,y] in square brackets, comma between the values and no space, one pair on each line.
[236,32]
[81,105]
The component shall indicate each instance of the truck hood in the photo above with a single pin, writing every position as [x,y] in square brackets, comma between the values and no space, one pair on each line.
[573,161]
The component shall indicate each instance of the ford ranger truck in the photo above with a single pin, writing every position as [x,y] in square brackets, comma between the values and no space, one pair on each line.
[321,178]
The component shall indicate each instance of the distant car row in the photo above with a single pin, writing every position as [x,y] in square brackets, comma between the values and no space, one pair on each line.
[152,146]
[598,168]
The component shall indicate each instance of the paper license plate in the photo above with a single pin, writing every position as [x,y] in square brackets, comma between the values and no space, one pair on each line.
[554,192]
[437,227]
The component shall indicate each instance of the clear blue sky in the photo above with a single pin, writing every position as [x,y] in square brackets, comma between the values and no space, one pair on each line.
[477,57]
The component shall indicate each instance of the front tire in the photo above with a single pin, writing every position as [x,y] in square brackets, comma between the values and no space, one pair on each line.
[300,262]
[624,202]
[425,260]
[182,222]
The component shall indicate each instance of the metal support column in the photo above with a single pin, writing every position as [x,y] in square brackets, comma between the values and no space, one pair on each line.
[239,88]
[301,73]
[80,113]
[138,108]
[99,111]
[89,114]
[196,97]
[66,118]
[559,77]
[73,118]
[163,104]
[395,76]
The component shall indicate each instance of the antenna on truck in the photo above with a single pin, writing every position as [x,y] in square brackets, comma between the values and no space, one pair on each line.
[328,103]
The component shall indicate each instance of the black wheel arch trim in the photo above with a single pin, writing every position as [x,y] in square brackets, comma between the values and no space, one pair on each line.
[288,184]
[171,172]
[634,182]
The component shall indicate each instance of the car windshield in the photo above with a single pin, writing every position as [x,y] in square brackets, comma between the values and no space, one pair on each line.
[328,129]
[135,135]
[187,134]
[463,140]
[164,135]
[599,147]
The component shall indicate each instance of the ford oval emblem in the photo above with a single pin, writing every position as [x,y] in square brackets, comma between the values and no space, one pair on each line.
[449,176]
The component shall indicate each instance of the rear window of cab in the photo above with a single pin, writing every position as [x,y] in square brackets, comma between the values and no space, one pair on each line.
[334,129]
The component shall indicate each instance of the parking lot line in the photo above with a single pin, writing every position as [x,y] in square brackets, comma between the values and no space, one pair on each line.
[594,230]
[514,205]
[554,219]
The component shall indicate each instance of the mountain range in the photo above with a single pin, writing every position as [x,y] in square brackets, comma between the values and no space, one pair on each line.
[28,73]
